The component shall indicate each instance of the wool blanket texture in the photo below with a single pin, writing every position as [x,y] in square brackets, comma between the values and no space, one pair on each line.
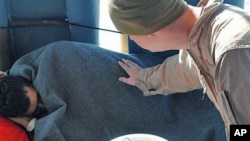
[78,83]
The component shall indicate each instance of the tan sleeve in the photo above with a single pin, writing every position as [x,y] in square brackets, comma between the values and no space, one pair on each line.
[176,74]
[233,78]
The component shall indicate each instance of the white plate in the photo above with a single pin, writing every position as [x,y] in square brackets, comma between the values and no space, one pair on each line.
[139,137]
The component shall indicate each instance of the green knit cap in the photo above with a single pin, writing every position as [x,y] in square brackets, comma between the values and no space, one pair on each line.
[143,17]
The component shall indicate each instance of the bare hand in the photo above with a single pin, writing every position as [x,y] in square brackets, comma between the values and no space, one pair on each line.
[132,70]
[23,121]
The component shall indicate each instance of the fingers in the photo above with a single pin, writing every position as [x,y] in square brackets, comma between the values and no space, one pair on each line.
[128,81]
[123,79]
[129,63]
[123,65]
[132,70]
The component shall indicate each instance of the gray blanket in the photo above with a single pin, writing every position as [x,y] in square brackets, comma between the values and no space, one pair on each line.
[79,85]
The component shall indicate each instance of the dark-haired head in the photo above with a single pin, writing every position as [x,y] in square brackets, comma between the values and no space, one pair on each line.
[13,99]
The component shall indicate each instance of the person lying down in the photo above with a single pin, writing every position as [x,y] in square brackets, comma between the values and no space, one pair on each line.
[70,91]
[20,102]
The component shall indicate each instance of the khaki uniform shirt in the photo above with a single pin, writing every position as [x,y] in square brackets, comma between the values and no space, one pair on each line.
[218,61]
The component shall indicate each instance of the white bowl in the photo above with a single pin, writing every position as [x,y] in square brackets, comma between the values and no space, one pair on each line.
[139,137]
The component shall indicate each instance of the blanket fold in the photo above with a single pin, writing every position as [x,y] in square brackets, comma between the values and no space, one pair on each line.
[79,85]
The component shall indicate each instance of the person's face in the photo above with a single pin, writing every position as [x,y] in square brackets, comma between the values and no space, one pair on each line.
[37,108]
[33,96]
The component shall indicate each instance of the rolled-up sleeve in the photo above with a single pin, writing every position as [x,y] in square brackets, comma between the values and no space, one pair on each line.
[176,74]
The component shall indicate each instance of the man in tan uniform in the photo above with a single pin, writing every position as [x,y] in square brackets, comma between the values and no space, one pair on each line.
[214,43]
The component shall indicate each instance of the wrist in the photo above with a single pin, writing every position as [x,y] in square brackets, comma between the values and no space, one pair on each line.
[23,121]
